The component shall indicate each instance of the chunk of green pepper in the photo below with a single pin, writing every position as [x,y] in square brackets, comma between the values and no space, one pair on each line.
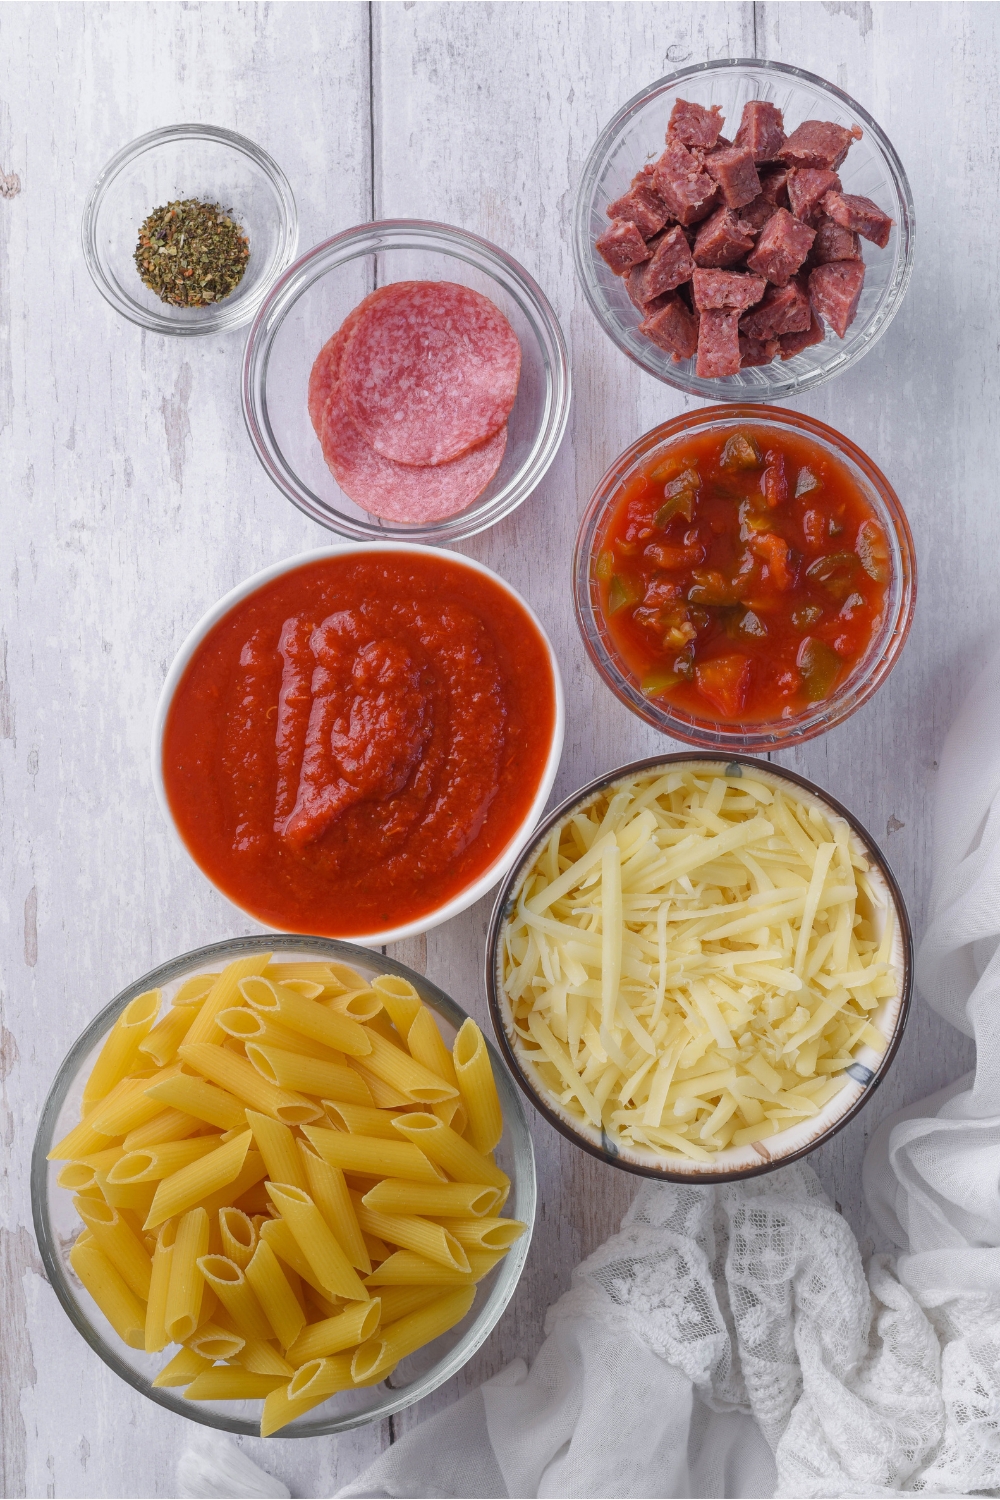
[740,452]
[836,572]
[658,680]
[678,498]
[605,565]
[873,551]
[806,616]
[622,593]
[819,666]
[806,483]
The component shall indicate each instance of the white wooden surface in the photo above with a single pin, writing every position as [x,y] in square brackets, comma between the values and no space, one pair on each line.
[130,500]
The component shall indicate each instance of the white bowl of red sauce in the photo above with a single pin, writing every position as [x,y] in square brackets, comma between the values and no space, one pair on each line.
[357,741]
[744,580]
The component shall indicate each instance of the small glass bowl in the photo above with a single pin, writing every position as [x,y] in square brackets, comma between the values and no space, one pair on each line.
[309,304]
[188,161]
[868,674]
[57,1225]
[735,1162]
[636,136]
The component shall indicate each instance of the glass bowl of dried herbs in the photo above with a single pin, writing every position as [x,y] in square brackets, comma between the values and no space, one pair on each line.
[186,229]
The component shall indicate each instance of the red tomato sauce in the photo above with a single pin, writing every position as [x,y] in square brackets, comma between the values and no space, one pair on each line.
[359,740]
[742,576]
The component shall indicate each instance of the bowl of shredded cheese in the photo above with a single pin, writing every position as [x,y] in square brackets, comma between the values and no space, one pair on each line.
[700,968]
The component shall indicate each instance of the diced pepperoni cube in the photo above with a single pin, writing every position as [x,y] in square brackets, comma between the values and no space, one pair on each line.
[806,186]
[860,215]
[762,130]
[718,344]
[642,204]
[794,343]
[733,169]
[757,351]
[756,213]
[774,187]
[670,265]
[689,193]
[782,246]
[693,125]
[819,143]
[833,243]
[672,326]
[722,240]
[782,310]
[622,246]
[835,291]
[726,289]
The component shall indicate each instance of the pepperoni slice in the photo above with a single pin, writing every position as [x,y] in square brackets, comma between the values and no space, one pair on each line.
[326,367]
[429,371]
[403,492]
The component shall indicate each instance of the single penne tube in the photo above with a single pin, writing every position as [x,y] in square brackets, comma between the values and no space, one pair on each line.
[125,1107]
[381,1094]
[277,1146]
[238,1234]
[442,1145]
[276,1234]
[155,1330]
[136,1197]
[400,999]
[119,1304]
[397,1301]
[117,1056]
[428,1046]
[186,1285]
[255,1200]
[309,1017]
[117,1243]
[317,1242]
[360,1119]
[407,1268]
[359,1005]
[343,1331]
[185,1366]
[428,1239]
[374,1157]
[242,1022]
[193,1096]
[448,1200]
[213,1340]
[254,1026]
[166,1036]
[239,1077]
[245,1189]
[454,1113]
[275,1294]
[222,1383]
[83,1173]
[478,1087]
[307,1075]
[486,1234]
[228,1282]
[83,1140]
[168,1125]
[224,993]
[396,1340]
[260,1357]
[311,1385]
[328,1189]
[483,1261]
[77,1177]
[396,1068]
[194,1183]
[322,973]
[194,990]
[156,1162]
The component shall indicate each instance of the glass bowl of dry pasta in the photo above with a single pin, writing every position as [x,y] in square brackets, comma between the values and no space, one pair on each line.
[283,1185]
[701,967]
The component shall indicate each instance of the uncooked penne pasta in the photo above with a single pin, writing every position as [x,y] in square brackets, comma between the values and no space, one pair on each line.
[343,1331]
[307,1016]
[194,990]
[185,1366]
[119,1304]
[308,1075]
[275,1294]
[215,1341]
[277,1145]
[328,1189]
[397,1301]
[407,1268]
[373,1157]
[401,1001]
[428,1239]
[277,1234]
[260,1357]
[222,1383]
[156,1162]
[360,1005]
[229,1283]
[125,1107]
[83,1172]
[193,1096]
[117,1243]
[382,1094]
[486,1234]
[136,1197]
[317,1242]
[479,1091]
[395,1341]
[186,1285]
[117,1056]
[238,1234]
[443,1146]
[155,1331]
[224,992]
[241,1078]
[166,1036]
[449,1200]
[396,1068]
[168,1125]
[308,1387]
[360,1119]
[82,1140]
[427,1045]
[195,1182]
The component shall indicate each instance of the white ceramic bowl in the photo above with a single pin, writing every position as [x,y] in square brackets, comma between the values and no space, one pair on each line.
[502,864]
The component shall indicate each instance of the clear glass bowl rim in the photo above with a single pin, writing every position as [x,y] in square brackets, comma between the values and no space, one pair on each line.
[768,735]
[508,1272]
[675,375]
[237,313]
[371,239]
[504,902]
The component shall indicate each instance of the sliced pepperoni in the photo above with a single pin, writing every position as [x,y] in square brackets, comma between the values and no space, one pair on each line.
[429,371]
[326,367]
[402,492]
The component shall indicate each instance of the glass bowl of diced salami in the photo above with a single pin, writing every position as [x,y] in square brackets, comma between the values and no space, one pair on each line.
[744,230]
[406,381]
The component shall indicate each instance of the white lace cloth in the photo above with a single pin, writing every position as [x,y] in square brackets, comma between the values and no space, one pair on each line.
[729,1341]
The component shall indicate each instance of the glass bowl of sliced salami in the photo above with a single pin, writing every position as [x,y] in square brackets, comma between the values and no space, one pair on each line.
[744,230]
[406,380]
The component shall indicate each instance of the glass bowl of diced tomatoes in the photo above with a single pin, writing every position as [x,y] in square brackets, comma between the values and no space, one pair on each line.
[744,578]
